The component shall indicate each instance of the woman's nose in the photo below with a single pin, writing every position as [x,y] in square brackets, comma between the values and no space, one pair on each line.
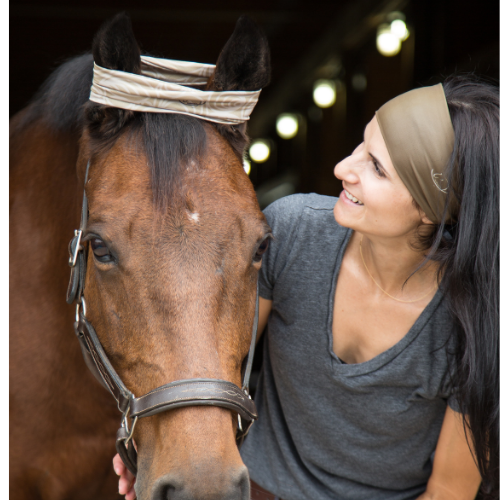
[346,170]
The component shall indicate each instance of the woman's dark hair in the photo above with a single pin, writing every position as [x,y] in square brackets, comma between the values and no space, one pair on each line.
[467,252]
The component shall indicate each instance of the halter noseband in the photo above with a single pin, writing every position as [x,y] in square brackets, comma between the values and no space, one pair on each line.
[191,392]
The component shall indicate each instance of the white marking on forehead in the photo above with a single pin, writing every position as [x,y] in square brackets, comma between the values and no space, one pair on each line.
[194,216]
[191,166]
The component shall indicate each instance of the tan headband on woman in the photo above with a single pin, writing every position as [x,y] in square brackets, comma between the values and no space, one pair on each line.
[419,135]
[165,86]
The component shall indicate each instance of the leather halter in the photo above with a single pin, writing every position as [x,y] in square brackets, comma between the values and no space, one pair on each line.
[192,392]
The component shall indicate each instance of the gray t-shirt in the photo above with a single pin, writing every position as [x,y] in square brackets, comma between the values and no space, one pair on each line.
[328,430]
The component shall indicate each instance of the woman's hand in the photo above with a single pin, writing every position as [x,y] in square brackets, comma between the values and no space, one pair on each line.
[127,479]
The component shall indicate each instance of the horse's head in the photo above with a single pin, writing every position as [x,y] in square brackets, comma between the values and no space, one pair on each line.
[175,241]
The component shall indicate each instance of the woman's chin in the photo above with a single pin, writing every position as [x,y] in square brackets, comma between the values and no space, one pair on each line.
[343,215]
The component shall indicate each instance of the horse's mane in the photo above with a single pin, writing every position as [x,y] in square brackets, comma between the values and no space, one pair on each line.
[59,101]
[169,140]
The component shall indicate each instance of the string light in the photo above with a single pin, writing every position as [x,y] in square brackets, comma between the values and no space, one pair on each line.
[259,151]
[287,125]
[324,93]
[399,29]
[388,44]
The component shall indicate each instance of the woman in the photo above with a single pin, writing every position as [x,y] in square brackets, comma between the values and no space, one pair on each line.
[381,361]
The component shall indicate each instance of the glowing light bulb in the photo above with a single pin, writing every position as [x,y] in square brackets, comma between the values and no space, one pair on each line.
[259,151]
[324,93]
[287,125]
[246,166]
[399,29]
[388,44]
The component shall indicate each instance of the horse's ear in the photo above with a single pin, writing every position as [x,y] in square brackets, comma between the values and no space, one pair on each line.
[245,61]
[114,47]
[243,64]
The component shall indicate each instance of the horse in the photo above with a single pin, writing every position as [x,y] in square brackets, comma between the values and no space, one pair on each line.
[174,238]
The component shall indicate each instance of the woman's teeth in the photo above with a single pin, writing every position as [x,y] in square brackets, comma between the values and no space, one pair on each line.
[351,197]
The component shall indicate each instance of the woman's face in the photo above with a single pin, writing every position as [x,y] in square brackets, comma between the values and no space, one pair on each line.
[374,200]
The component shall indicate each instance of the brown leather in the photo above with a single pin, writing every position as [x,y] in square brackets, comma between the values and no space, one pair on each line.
[127,453]
[259,493]
[106,371]
[194,392]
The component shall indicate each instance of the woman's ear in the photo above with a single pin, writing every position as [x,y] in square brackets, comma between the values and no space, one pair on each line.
[424,218]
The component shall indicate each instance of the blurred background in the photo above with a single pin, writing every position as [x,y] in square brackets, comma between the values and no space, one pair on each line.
[334,63]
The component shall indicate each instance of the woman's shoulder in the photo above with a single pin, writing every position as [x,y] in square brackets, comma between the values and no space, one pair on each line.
[303,226]
[301,218]
[286,214]
[296,203]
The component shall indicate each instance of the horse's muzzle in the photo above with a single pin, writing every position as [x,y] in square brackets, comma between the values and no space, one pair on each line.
[234,486]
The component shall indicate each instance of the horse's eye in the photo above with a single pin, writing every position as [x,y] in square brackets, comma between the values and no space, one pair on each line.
[261,250]
[101,251]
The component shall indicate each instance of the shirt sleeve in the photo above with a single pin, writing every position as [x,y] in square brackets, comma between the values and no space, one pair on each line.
[453,403]
[448,388]
[283,216]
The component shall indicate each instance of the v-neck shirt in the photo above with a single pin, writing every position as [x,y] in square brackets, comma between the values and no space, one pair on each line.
[327,429]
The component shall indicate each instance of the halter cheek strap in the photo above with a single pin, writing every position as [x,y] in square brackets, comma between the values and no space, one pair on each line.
[181,393]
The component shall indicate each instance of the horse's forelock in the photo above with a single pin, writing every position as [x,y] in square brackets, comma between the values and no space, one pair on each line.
[169,141]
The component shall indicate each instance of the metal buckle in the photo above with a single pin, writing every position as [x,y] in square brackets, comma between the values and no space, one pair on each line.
[241,431]
[74,256]
[84,307]
[125,424]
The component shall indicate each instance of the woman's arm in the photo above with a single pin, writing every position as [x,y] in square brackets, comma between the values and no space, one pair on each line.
[454,473]
[265,307]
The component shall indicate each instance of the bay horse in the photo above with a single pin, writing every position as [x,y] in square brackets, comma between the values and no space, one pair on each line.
[175,238]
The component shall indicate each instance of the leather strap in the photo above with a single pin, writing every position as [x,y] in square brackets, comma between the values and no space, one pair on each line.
[77,253]
[127,452]
[251,351]
[106,371]
[194,392]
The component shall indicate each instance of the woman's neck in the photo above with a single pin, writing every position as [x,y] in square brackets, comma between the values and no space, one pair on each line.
[390,262]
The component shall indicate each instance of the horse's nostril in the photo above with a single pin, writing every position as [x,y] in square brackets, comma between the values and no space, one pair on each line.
[244,484]
[200,487]
[164,488]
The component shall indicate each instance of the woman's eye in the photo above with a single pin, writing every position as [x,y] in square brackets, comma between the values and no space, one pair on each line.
[377,168]
[101,251]
[261,250]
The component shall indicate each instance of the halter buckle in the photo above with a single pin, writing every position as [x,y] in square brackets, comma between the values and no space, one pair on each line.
[75,247]
[84,308]
[125,425]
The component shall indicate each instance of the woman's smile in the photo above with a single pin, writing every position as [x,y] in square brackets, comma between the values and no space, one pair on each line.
[351,197]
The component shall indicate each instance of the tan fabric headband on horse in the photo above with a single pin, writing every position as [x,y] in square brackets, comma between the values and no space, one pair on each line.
[419,135]
[162,88]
